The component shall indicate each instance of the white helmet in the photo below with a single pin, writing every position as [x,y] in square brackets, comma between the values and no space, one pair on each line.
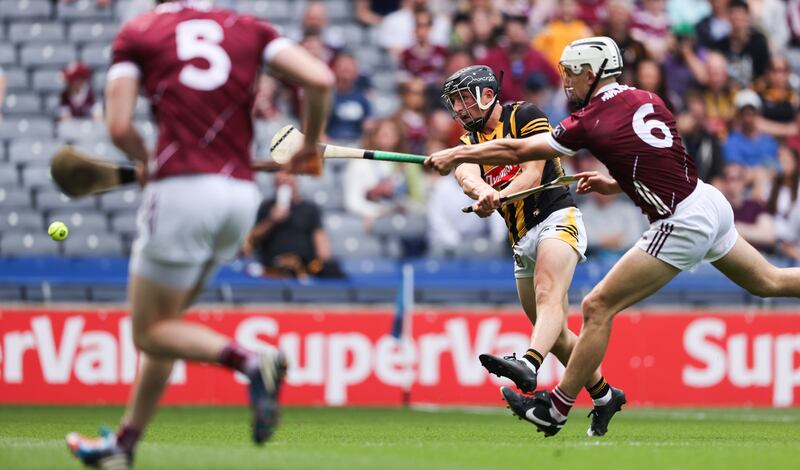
[593,52]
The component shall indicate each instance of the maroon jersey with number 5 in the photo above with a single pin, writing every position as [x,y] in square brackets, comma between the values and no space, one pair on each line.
[633,133]
[199,68]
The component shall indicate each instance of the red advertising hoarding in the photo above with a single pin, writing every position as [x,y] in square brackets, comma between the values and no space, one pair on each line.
[679,358]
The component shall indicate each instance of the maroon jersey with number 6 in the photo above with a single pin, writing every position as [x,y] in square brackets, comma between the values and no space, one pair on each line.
[199,67]
[633,133]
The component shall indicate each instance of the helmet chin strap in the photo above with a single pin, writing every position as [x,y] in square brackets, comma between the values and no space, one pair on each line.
[593,86]
[488,107]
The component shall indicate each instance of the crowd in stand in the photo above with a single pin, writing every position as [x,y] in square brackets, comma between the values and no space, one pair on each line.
[723,66]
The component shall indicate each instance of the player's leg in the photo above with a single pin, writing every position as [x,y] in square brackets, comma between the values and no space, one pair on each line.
[748,268]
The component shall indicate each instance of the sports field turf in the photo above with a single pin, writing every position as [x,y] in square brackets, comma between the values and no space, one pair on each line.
[351,438]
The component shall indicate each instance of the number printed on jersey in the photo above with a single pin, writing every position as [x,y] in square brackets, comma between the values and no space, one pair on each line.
[644,128]
[201,39]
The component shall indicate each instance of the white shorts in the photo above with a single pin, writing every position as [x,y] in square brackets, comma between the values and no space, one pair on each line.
[701,229]
[188,224]
[564,224]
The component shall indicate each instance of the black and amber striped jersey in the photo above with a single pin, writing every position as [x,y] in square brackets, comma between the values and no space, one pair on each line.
[520,120]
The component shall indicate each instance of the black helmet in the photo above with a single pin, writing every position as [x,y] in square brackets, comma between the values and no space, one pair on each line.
[473,79]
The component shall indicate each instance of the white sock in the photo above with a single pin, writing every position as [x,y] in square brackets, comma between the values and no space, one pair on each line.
[556,415]
[604,399]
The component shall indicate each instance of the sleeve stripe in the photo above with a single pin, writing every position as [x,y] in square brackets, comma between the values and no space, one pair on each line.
[275,46]
[123,69]
[558,147]
[537,129]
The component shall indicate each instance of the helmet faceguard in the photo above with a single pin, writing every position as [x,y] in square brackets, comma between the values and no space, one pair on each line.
[466,87]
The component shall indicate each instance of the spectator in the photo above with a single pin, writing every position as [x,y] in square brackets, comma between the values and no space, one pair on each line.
[752,220]
[373,188]
[77,98]
[593,12]
[650,77]
[715,27]
[745,48]
[288,238]
[617,27]
[687,13]
[484,47]
[411,115]
[524,61]
[371,12]
[562,30]
[423,59]
[769,16]
[789,240]
[703,146]
[397,28]
[716,89]
[782,200]
[615,224]
[780,101]
[650,25]
[265,105]
[351,110]
[680,74]
[746,145]
[551,100]
[315,22]
[443,129]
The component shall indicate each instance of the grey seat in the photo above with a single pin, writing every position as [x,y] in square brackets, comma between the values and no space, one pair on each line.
[36,176]
[77,130]
[8,175]
[24,243]
[26,9]
[401,225]
[343,225]
[16,79]
[93,244]
[124,200]
[18,220]
[96,55]
[480,248]
[275,10]
[101,148]
[51,103]
[99,83]
[81,221]
[32,151]
[8,54]
[48,80]
[83,10]
[52,55]
[37,31]
[14,197]
[93,31]
[55,201]
[339,10]
[355,247]
[124,224]
[22,104]
[34,128]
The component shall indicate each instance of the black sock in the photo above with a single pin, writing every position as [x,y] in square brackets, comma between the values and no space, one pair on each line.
[599,390]
[533,356]
[128,437]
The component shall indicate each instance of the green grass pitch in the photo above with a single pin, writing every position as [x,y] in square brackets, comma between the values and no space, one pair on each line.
[379,438]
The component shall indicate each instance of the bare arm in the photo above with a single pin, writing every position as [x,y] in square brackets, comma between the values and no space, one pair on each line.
[121,96]
[777,129]
[469,178]
[761,232]
[507,151]
[322,247]
[530,176]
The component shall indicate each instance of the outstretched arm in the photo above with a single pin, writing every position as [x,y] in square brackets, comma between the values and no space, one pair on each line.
[494,152]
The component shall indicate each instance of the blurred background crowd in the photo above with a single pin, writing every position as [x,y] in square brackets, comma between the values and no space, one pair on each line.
[727,68]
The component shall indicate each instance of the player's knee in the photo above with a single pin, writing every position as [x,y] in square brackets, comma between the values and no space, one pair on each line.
[595,309]
[143,340]
[547,299]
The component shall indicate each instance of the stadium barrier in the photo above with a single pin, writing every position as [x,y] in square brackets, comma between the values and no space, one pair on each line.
[348,357]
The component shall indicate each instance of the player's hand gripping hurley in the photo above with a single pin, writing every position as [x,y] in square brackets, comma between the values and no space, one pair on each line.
[288,140]
[556,183]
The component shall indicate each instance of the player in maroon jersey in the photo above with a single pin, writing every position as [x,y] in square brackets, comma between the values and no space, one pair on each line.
[198,66]
[633,134]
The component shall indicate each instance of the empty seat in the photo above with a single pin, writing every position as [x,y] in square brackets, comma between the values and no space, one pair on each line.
[339,10]
[8,54]
[8,175]
[37,177]
[81,221]
[19,220]
[48,80]
[480,248]
[55,201]
[77,130]
[83,10]
[32,151]
[343,225]
[124,200]
[401,226]
[17,104]
[27,244]
[26,9]
[355,247]
[16,79]
[38,31]
[96,55]
[35,128]
[94,31]
[14,198]
[37,55]
[124,224]
[103,149]
[93,244]
[272,10]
